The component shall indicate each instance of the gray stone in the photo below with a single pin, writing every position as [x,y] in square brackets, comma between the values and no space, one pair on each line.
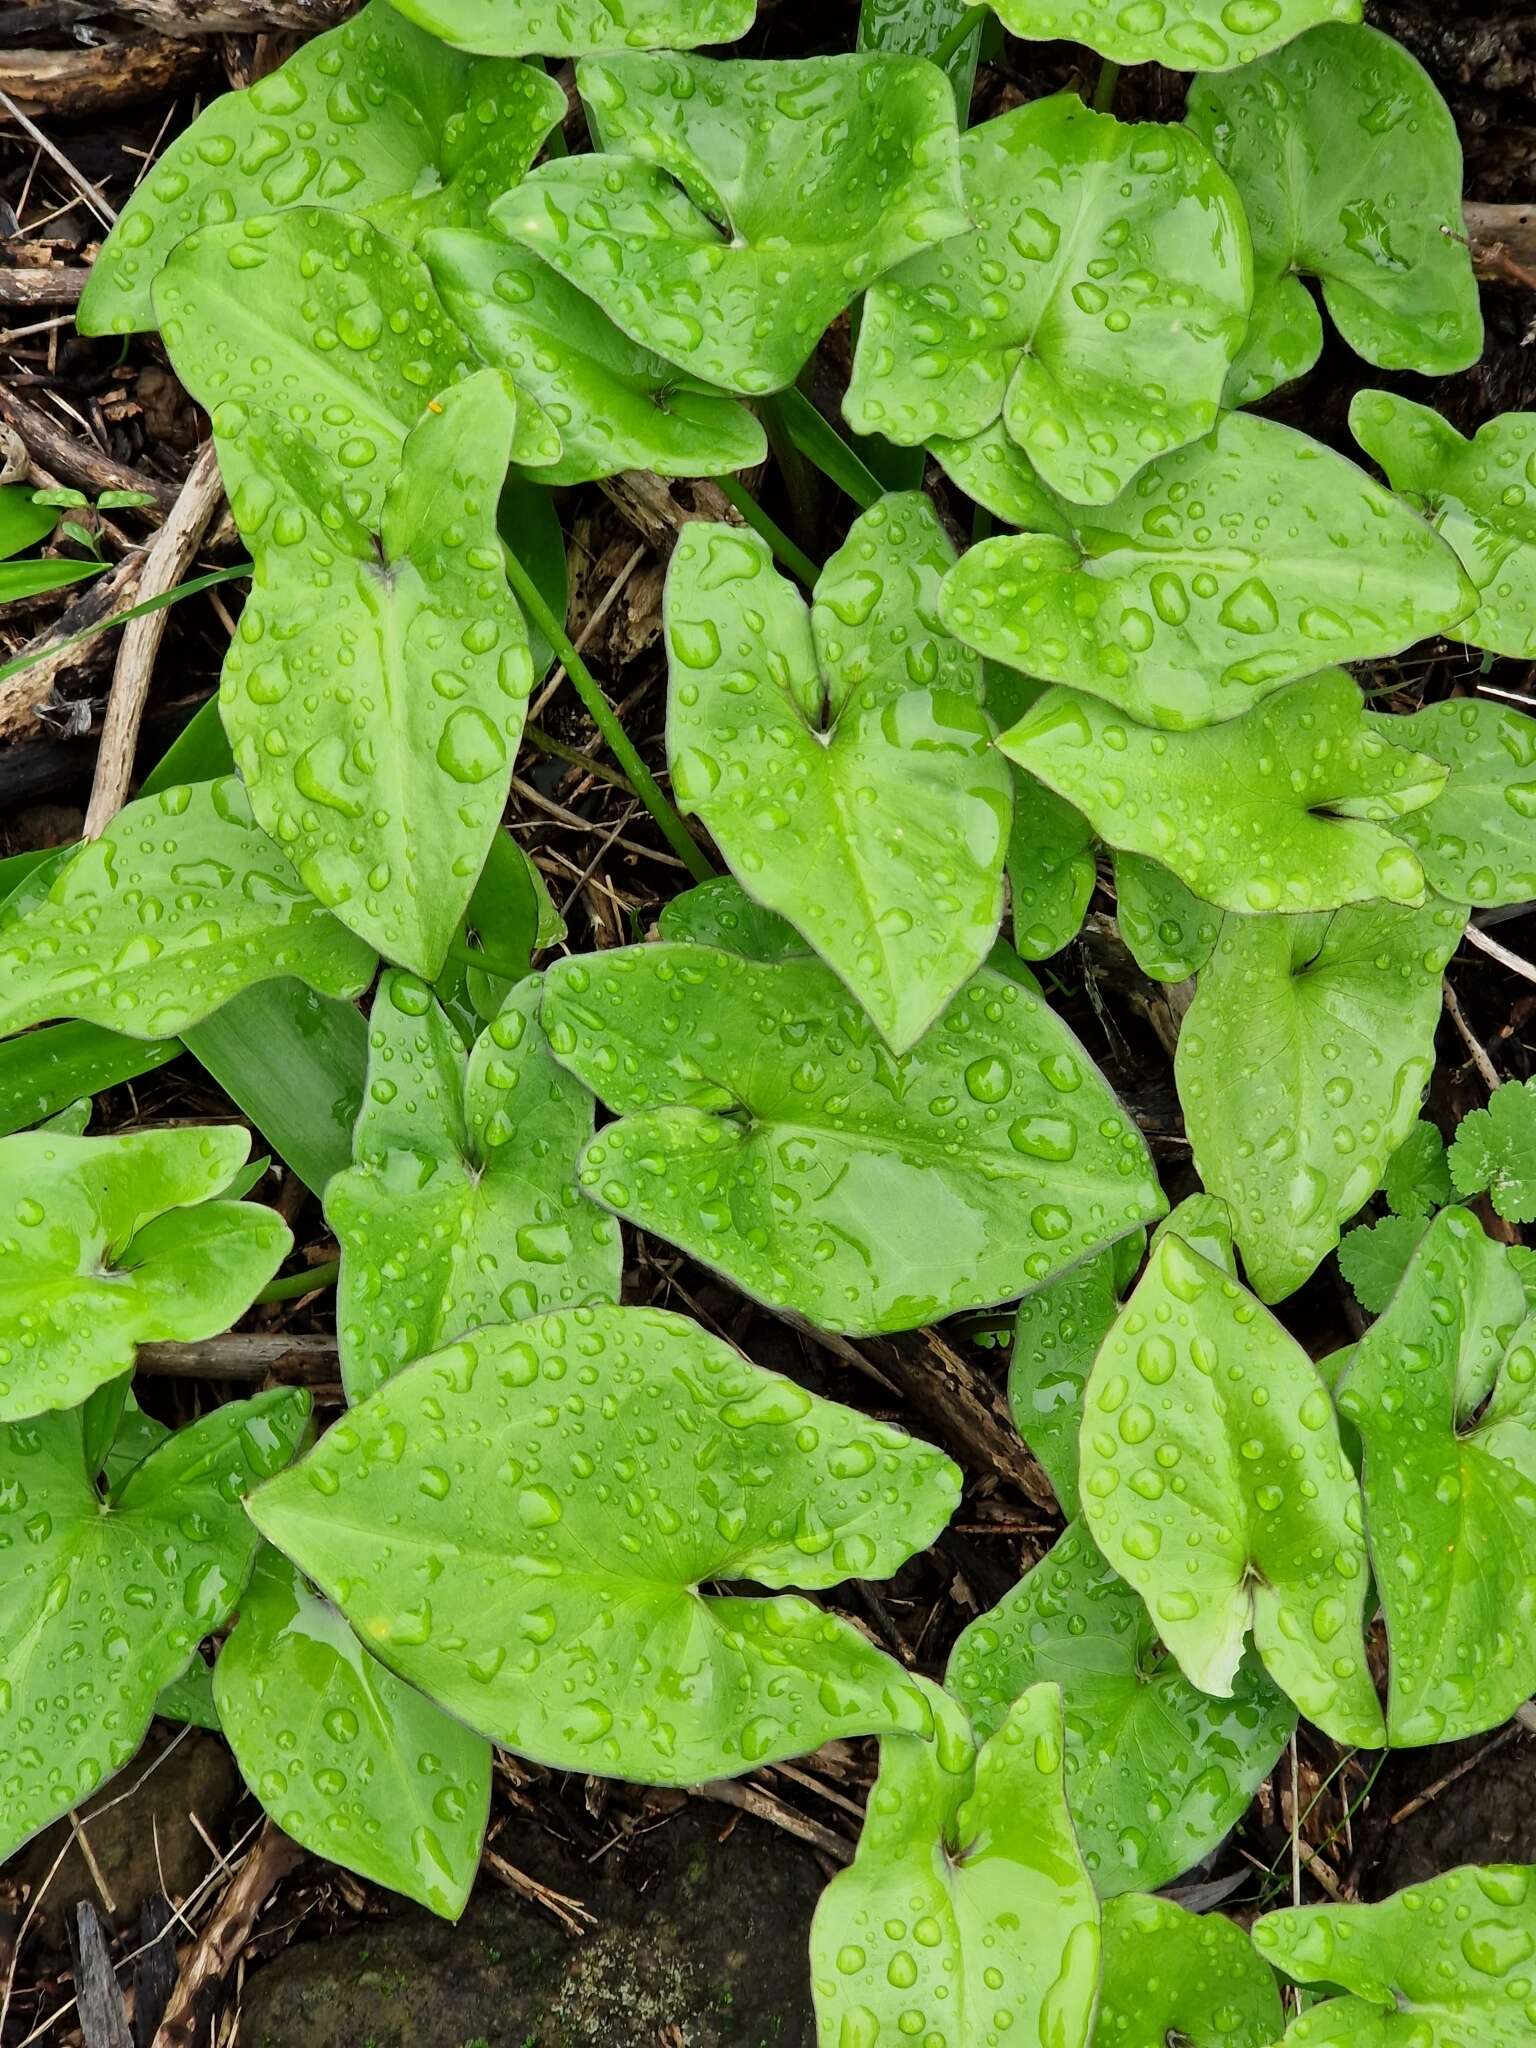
[698,1943]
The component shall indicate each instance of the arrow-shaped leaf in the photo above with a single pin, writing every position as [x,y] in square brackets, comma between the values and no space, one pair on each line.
[840,756]
[462,1206]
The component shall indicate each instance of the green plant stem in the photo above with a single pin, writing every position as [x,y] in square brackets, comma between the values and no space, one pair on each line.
[603,716]
[1104,91]
[794,559]
[968,25]
[292,1285]
[793,413]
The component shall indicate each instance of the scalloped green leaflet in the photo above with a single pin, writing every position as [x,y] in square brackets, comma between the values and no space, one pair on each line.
[578,28]
[1056,1332]
[1445,1964]
[1417,1180]
[768,1131]
[840,756]
[324,322]
[1452,1522]
[348,1760]
[375,691]
[1168,931]
[519,1524]
[1232,566]
[118,1598]
[1094,308]
[1349,165]
[1186,35]
[113,1242]
[1157,1773]
[462,1207]
[1272,810]
[1261,1525]
[373,117]
[1477,840]
[740,207]
[179,905]
[967,1912]
[615,404]
[1192,1978]
[1301,1065]
[1495,1149]
[1480,495]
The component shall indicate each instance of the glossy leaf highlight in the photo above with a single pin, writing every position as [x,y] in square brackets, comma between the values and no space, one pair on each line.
[1259,1525]
[1301,1065]
[733,210]
[840,755]
[518,1526]
[1093,309]
[1182,617]
[179,905]
[462,1206]
[768,1131]
[967,1911]
[1349,166]
[113,1242]
[374,694]
[350,1761]
[1182,1977]
[373,117]
[1157,1771]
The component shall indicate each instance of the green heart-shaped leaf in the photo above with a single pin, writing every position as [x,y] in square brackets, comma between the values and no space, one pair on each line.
[840,756]
[179,905]
[347,1759]
[767,1130]
[1479,494]
[577,28]
[1452,1522]
[373,116]
[1445,1964]
[1182,1977]
[1260,1526]
[1182,616]
[1056,1333]
[616,404]
[967,1911]
[1477,840]
[1168,931]
[1269,811]
[721,913]
[519,1525]
[326,323]
[375,693]
[1301,1065]
[118,1597]
[1374,1257]
[1349,166]
[113,1242]
[462,1207]
[1495,1149]
[22,520]
[1094,308]
[1157,1773]
[735,209]
[1186,35]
